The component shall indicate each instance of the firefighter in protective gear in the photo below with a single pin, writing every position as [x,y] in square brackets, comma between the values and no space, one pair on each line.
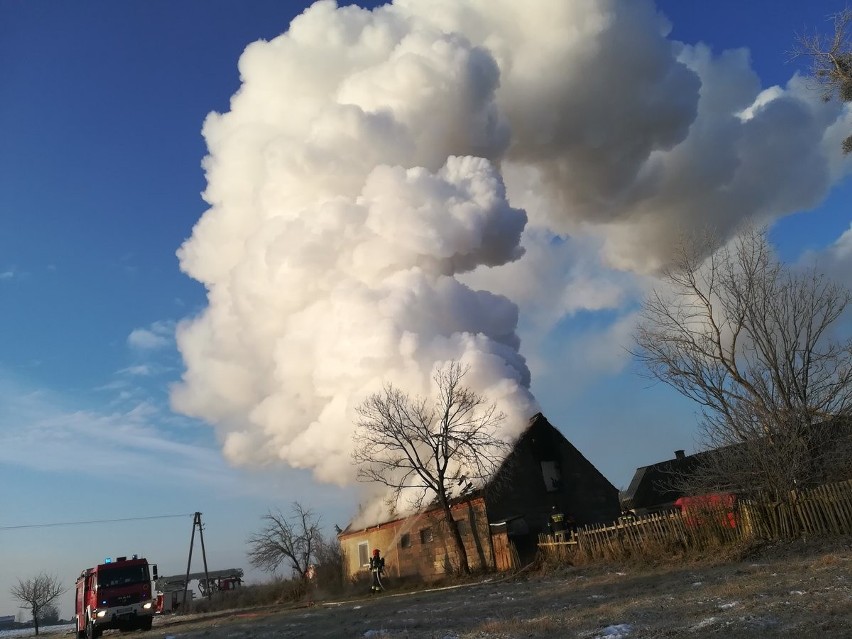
[377,567]
[560,524]
[556,522]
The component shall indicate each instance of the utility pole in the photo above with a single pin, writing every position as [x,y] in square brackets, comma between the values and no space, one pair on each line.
[196,521]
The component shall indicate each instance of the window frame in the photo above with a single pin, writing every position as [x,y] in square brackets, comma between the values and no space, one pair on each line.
[366,546]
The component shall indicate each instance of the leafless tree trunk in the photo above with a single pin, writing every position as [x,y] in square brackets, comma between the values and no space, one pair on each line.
[422,447]
[286,540]
[748,339]
[37,593]
[831,61]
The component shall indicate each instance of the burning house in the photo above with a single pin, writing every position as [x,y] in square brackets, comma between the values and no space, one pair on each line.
[499,523]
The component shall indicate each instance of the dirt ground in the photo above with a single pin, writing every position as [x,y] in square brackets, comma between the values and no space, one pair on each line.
[796,589]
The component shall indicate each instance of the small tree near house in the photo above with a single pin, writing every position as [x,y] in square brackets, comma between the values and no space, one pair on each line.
[421,446]
[37,595]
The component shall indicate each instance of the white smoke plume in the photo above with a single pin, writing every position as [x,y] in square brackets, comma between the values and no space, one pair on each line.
[375,164]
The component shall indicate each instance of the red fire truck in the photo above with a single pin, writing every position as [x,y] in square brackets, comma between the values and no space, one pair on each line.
[115,594]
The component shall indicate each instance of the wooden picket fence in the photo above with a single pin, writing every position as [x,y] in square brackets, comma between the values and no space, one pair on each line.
[825,510]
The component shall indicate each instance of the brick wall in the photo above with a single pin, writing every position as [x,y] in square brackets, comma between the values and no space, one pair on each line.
[421,545]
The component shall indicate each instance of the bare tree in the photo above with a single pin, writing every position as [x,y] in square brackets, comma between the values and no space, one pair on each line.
[422,447]
[831,61]
[36,594]
[748,339]
[291,541]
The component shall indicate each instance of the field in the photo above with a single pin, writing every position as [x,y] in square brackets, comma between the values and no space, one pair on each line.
[792,589]
[786,589]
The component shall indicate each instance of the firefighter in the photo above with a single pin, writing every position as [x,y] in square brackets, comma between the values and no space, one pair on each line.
[377,567]
[557,521]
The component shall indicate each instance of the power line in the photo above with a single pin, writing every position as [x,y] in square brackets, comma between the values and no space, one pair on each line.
[93,521]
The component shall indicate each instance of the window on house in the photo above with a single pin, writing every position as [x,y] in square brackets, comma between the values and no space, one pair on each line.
[364,553]
[425,535]
[405,541]
[551,475]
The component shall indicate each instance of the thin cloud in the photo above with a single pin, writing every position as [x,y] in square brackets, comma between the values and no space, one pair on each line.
[115,385]
[157,336]
[144,339]
[13,273]
[39,430]
[140,370]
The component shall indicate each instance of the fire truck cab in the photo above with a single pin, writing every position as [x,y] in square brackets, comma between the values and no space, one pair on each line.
[114,594]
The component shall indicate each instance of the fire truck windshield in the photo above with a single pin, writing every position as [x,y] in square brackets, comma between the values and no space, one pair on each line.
[122,576]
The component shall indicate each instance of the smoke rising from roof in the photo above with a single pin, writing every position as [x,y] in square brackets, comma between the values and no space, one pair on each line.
[374,164]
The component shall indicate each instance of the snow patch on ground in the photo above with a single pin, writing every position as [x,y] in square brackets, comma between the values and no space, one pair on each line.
[760,622]
[43,630]
[704,623]
[618,631]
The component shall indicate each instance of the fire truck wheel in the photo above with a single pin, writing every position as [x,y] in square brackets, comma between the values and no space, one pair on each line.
[81,634]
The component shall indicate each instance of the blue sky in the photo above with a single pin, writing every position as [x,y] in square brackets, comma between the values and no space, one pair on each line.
[100,180]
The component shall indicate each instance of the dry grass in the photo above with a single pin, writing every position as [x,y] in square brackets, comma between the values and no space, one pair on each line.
[521,627]
[275,592]
[801,590]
